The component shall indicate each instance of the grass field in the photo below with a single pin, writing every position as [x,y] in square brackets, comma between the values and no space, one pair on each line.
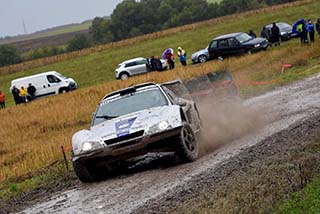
[31,135]
[98,67]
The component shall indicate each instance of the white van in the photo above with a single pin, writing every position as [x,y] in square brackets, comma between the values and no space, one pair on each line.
[47,83]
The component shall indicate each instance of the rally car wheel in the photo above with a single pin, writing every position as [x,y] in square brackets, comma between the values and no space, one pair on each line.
[187,144]
[83,172]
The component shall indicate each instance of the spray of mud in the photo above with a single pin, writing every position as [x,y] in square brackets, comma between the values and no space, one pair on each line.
[225,121]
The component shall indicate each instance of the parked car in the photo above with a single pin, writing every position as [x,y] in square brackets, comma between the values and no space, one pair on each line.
[132,122]
[47,83]
[228,45]
[137,66]
[285,31]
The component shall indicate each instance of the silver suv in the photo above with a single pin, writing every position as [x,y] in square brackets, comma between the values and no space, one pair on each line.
[137,66]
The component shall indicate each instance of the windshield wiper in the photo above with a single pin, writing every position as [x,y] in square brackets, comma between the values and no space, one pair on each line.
[107,117]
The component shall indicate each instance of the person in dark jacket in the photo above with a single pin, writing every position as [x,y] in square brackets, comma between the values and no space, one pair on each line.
[252,34]
[310,29]
[15,92]
[318,27]
[304,32]
[275,34]
[31,91]
[265,33]
[156,64]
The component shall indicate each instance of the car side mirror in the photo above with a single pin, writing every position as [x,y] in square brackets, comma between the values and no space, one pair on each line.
[180,102]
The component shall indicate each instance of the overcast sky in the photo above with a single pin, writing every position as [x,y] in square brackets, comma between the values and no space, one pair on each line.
[42,14]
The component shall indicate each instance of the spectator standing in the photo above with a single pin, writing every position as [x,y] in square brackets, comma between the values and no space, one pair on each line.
[170,60]
[275,34]
[265,33]
[2,100]
[16,95]
[318,26]
[304,33]
[310,30]
[23,94]
[252,34]
[31,91]
[182,56]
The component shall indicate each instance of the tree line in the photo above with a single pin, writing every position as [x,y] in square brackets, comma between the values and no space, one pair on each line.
[134,18]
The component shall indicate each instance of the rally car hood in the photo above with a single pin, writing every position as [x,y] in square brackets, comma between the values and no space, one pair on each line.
[146,120]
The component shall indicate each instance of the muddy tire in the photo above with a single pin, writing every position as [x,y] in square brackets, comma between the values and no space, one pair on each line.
[187,149]
[83,172]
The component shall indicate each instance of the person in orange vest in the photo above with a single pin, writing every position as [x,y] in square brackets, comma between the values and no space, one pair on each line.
[2,100]
[23,94]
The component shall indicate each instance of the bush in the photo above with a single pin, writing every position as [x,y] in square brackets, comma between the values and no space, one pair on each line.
[77,43]
[9,55]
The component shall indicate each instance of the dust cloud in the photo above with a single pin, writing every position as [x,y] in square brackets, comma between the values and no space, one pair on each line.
[225,121]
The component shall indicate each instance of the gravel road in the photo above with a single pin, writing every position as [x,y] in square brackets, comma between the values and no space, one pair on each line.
[158,177]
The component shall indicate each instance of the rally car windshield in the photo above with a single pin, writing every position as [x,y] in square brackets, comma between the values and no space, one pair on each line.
[129,103]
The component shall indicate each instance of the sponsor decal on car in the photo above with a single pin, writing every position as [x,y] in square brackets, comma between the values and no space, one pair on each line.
[123,126]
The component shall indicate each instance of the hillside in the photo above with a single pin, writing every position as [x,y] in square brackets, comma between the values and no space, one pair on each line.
[55,31]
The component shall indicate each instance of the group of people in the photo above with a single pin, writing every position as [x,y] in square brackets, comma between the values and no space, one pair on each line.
[272,35]
[182,58]
[306,30]
[23,95]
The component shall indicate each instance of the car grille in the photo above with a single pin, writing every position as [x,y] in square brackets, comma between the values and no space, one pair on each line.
[124,138]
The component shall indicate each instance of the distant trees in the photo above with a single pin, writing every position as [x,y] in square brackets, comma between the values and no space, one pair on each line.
[78,42]
[9,55]
[133,18]
[100,30]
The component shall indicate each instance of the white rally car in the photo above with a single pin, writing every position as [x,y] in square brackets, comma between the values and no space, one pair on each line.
[132,122]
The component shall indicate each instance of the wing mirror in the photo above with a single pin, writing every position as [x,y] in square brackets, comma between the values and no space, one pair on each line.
[180,102]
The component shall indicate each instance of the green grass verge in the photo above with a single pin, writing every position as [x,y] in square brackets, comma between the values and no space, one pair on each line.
[305,201]
[50,177]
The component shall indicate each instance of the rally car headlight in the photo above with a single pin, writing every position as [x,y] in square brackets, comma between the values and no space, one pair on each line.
[257,45]
[87,146]
[163,125]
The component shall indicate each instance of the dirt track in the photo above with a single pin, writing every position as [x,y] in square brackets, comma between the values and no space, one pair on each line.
[157,181]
